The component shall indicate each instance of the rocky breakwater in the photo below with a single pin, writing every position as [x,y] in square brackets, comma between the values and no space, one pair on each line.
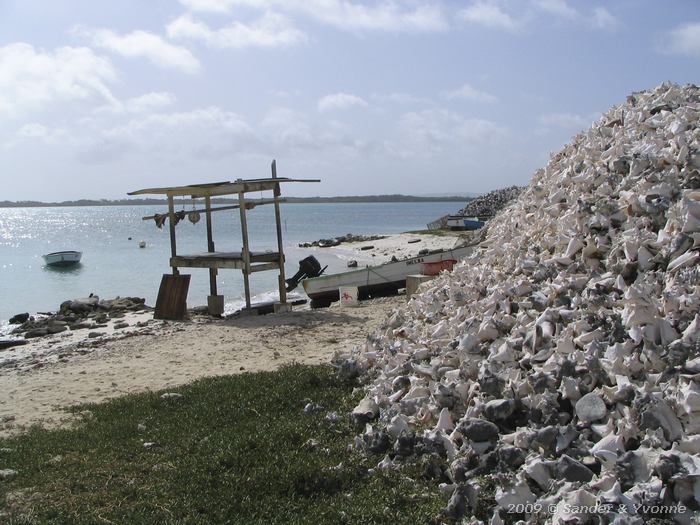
[79,314]
[561,363]
[491,203]
[485,206]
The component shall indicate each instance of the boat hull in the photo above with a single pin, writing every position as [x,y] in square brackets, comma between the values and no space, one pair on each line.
[62,259]
[385,279]
[457,222]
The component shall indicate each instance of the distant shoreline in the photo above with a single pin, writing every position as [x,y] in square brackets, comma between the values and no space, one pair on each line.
[289,200]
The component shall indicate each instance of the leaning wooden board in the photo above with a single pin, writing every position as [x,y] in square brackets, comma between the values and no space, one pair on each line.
[172,297]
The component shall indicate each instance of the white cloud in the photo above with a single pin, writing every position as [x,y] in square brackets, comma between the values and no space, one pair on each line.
[271,30]
[149,101]
[340,101]
[38,131]
[284,129]
[211,116]
[488,14]
[603,19]
[468,92]
[387,15]
[684,40]
[141,104]
[283,93]
[568,120]
[34,132]
[400,98]
[206,133]
[32,79]
[211,6]
[557,7]
[287,127]
[146,45]
[437,131]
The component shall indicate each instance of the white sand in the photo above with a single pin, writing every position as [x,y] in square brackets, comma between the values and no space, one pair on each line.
[178,353]
[397,245]
[40,379]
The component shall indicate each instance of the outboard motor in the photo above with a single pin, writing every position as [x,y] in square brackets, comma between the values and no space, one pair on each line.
[309,267]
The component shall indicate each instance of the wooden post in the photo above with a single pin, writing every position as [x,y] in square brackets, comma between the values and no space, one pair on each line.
[280,246]
[171,220]
[210,245]
[245,252]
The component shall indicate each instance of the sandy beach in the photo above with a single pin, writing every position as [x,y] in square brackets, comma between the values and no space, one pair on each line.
[401,246]
[40,379]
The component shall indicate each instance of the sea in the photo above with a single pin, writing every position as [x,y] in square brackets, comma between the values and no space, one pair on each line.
[114,265]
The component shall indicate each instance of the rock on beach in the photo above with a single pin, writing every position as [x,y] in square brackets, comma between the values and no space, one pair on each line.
[78,314]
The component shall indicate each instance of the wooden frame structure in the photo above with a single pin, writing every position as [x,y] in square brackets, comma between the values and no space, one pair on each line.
[245,260]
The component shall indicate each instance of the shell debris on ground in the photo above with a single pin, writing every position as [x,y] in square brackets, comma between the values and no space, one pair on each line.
[562,359]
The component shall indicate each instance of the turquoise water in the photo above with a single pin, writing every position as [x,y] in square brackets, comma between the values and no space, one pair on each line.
[114,265]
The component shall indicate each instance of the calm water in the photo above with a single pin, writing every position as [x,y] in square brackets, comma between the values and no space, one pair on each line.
[114,265]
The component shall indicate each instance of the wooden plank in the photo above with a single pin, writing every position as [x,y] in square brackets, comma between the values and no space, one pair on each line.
[225,260]
[219,189]
[210,245]
[280,248]
[257,202]
[263,267]
[232,264]
[254,256]
[246,250]
[215,304]
[172,297]
[173,243]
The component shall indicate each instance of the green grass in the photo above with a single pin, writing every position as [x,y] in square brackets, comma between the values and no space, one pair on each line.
[232,450]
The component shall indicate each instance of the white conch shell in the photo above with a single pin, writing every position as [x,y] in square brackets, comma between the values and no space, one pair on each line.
[444,421]
[519,494]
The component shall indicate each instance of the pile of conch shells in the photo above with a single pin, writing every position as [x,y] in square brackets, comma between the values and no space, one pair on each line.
[562,360]
[491,203]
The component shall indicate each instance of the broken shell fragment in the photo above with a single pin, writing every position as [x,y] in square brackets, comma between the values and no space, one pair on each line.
[365,411]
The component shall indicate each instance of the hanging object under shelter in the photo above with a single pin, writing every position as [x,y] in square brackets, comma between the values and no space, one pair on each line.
[245,260]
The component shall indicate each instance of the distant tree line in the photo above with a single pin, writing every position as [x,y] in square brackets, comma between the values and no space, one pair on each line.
[294,200]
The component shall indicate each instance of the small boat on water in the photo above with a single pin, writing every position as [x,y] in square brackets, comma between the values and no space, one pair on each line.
[383,279]
[62,259]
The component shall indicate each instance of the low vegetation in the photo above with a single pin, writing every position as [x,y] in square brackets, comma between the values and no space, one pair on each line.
[239,449]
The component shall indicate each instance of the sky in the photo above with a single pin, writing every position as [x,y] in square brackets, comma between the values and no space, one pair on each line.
[98,98]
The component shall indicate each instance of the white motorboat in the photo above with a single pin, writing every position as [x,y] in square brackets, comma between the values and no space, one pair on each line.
[383,279]
[61,259]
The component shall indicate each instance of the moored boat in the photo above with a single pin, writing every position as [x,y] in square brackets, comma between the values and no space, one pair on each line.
[383,279]
[62,259]
[459,222]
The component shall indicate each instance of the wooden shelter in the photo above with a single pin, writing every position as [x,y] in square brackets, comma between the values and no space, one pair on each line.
[171,302]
